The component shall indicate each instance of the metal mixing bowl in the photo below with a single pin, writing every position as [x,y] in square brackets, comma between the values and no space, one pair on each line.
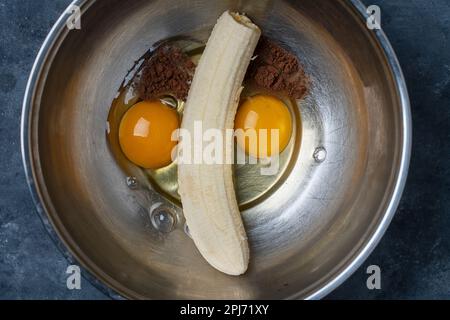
[307,237]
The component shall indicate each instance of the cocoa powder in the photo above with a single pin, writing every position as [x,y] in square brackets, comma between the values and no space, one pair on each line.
[169,71]
[276,69]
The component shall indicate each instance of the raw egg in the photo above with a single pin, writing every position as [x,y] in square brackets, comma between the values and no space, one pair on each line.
[263,112]
[145,134]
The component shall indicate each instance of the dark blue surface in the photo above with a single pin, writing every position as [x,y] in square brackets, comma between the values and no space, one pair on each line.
[414,255]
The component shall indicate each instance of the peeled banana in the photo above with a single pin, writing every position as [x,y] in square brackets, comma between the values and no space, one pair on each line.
[207,191]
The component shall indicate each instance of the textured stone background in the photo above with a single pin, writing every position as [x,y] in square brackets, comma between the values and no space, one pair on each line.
[414,254]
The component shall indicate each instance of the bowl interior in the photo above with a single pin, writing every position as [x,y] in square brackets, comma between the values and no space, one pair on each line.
[302,236]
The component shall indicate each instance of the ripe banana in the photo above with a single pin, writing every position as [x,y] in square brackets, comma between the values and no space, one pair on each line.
[207,190]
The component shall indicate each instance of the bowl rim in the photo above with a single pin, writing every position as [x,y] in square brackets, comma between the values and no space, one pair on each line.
[340,277]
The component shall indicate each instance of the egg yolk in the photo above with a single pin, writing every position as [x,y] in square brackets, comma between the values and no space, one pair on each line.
[145,134]
[263,112]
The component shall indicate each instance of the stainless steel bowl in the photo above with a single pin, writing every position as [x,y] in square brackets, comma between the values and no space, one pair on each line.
[307,237]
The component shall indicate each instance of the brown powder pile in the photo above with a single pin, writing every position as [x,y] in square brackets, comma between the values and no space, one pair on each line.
[278,70]
[168,71]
